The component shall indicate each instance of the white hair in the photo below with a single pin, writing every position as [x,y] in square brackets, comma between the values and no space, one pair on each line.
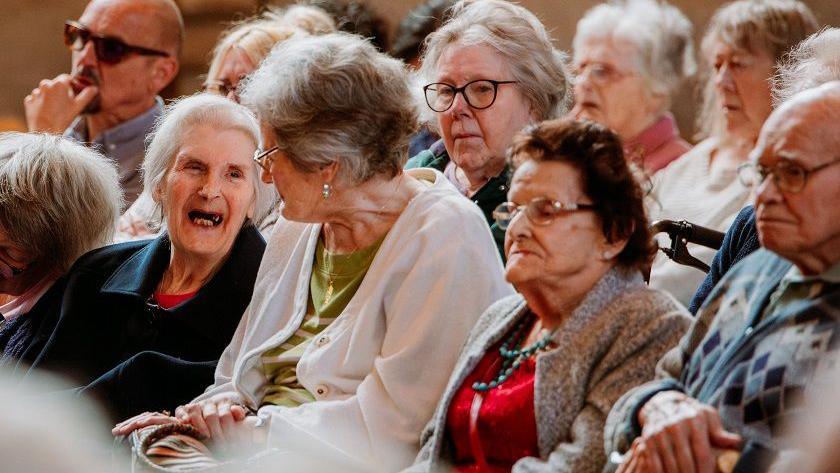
[197,110]
[813,62]
[335,98]
[660,32]
[519,37]
[58,198]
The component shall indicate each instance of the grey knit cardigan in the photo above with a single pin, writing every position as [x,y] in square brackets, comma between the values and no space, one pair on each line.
[609,344]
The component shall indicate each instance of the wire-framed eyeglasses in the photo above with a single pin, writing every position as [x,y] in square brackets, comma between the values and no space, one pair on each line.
[540,211]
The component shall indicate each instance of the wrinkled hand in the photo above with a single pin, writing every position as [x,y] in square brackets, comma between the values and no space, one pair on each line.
[52,106]
[140,421]
[679,434]
[216,418]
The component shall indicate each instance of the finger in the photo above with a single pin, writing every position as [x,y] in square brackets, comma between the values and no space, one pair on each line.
[45,83]
[652,462]
[83,98]
[195,418]
[720,437]
[681,442]
[701,449]
[141,421]
[239,412]
[211,418]
[663,449]
[227,424]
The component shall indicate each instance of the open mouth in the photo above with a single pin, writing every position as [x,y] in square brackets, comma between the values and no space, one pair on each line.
[205,219]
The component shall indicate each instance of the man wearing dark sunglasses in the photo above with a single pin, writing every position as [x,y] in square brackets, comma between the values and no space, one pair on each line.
[124,52]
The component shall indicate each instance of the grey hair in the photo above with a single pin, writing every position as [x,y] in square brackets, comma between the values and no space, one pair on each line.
[196,110]
[813,62]
[59,199]
[519,37]
[660,32]
[769,26]
[335,98]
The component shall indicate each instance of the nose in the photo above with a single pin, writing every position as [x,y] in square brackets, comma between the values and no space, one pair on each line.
[519,226]
[86,56]
[768,192]
[723,78]
[211,187]
[459,105]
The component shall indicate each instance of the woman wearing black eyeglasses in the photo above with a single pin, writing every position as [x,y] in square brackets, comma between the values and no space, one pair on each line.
[492,70]
[542,368]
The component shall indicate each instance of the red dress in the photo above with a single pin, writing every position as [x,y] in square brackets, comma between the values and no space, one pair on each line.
[505,429]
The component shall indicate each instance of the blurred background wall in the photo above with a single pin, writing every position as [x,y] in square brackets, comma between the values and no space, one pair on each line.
[33,50]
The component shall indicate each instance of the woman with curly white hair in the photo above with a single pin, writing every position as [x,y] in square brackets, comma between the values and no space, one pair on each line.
[58,200]
[491,69]
[630,57]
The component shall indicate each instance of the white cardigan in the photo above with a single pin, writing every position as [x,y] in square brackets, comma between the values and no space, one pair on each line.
[378,370]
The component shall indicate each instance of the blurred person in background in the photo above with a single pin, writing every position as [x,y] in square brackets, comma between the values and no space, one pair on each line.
[812,62]
[742,46]
[491,69]
[58,200]
[630,57]
[124,52]
[412,31]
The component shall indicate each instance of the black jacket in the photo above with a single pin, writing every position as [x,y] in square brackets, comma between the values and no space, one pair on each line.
[23,338]
[106,315]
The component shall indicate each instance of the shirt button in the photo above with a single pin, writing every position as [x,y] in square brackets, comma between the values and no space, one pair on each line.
[748,331]
[321,390]
[322,340]
[502,187]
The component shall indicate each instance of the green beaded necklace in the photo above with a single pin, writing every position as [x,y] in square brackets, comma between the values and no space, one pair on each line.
[513,358]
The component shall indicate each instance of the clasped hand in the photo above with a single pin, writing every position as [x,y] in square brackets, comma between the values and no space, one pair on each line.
[679,435]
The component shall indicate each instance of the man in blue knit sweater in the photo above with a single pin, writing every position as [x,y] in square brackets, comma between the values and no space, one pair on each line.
[768,331]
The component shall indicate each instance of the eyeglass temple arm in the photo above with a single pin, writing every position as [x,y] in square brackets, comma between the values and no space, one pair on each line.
[682,233]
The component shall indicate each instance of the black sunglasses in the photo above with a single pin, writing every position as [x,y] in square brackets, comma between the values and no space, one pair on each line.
[108,50]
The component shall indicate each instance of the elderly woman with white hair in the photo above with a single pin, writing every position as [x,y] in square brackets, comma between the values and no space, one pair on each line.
[178,298]
[491,70]
[367,290]
[237,54]
[630,57]
[58,200]
[742,46]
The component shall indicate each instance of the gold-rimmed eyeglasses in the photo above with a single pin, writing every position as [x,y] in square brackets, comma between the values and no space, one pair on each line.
[263,158]
[541,211]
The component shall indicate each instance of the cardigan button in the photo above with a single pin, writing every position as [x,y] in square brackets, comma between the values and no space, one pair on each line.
[321,390]
[322,340]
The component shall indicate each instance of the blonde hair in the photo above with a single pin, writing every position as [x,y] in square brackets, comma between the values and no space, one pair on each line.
[769,26]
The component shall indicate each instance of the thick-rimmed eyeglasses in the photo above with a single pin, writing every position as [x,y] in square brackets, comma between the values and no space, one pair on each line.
[541,211]
[263,158]
[108,49]
[479,94]
[787,175]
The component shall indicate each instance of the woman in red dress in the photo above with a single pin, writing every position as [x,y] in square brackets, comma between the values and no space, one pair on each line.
[541,369]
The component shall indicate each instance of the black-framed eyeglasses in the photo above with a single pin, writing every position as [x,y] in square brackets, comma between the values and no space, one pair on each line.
[263,158]
[541,211]
[108,49]
[787,175]
[479,94]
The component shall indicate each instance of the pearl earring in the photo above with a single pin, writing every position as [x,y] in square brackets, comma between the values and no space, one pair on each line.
[325,193]
[606,256]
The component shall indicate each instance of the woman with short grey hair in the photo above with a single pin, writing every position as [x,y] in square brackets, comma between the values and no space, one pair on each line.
[58,200]
[501,61]
[367,291]
[169,305]
[630,57]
